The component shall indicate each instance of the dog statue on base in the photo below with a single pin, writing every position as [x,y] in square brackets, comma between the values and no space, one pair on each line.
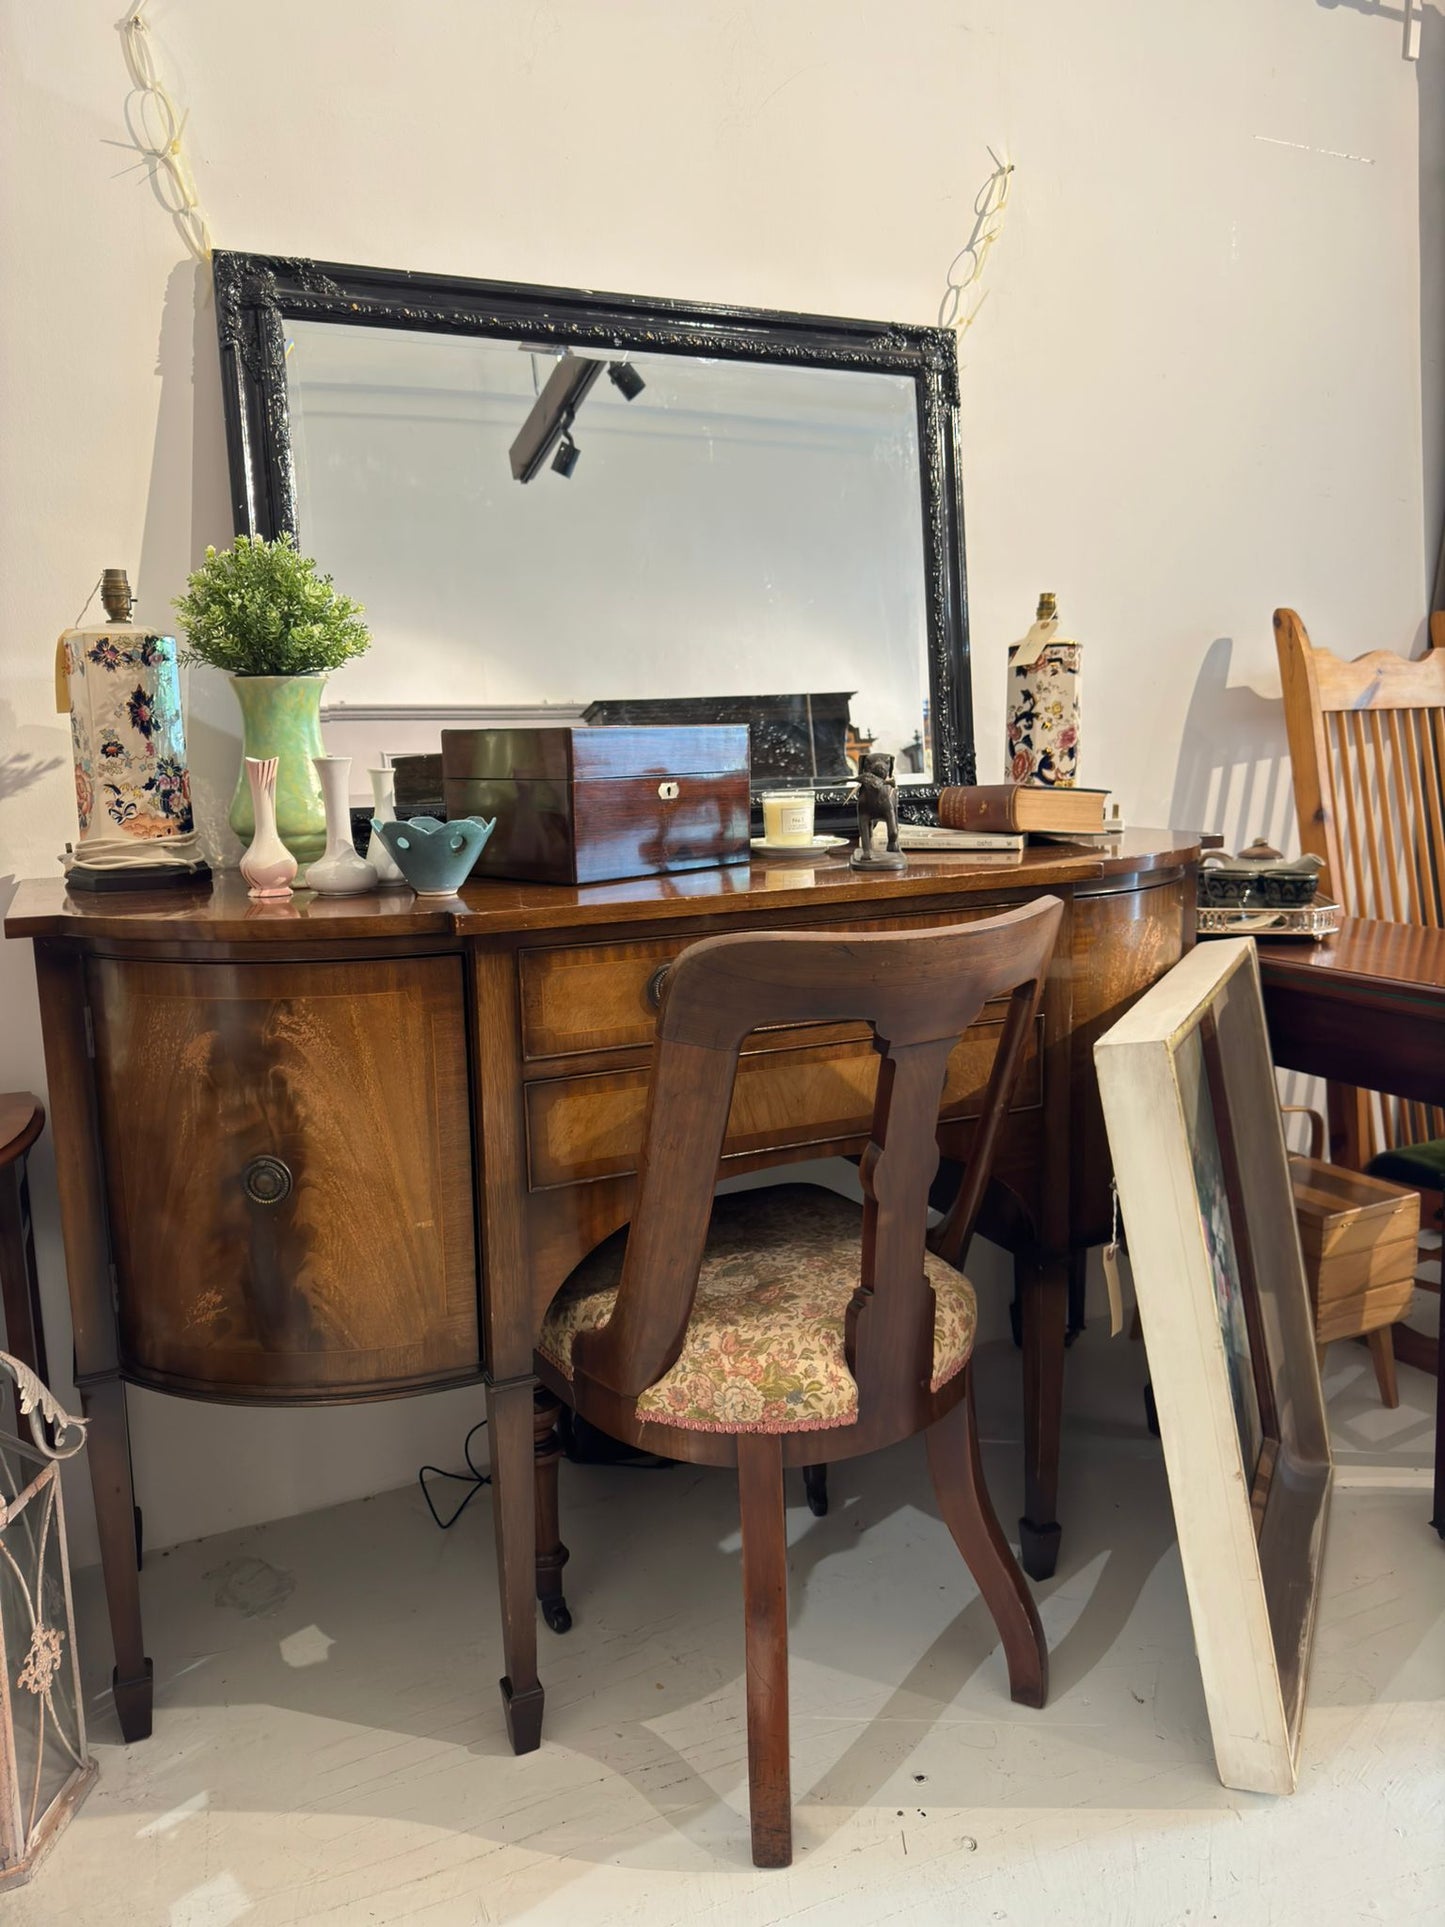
[877,803]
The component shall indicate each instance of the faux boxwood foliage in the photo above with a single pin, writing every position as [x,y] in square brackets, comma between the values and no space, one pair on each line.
[263,609]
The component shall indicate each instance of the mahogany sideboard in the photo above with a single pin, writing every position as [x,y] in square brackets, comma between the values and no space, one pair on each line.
[338,1149]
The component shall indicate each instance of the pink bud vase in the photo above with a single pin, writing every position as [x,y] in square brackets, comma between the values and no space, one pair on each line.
[268,866]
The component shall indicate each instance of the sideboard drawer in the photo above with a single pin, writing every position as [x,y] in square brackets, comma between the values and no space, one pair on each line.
[590,1126]
[599,996]
[288,1149]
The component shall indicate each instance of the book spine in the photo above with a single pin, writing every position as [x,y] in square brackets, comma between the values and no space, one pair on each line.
[961,808]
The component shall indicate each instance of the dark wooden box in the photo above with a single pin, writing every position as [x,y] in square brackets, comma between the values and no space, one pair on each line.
[584,805]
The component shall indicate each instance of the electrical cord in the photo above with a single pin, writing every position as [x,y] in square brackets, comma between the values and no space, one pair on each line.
[473,1476]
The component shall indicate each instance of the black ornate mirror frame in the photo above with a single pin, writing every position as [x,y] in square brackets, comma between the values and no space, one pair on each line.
[257,294]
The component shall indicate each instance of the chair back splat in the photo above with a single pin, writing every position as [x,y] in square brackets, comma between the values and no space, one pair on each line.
[919,991]
[1367,750]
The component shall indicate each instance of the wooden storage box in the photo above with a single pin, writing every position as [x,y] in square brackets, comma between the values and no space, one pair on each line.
[584,805]
[1359,1236]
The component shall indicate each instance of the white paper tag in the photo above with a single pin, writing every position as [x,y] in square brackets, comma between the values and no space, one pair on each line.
[1116,1289]
[1034,644]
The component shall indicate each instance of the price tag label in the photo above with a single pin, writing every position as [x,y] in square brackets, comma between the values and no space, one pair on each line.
[1024,653]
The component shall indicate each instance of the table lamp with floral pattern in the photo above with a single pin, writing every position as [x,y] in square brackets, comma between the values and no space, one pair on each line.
[132,784]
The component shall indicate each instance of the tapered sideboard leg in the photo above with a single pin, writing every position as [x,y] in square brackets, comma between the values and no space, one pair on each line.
[1044,1295]
[65,1021]
[108,1450]
[509,1414]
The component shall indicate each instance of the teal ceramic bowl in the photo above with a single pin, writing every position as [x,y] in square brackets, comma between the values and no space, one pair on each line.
[435,858]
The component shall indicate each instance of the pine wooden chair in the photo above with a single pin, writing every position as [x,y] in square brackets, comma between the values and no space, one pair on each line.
[1367,747]
[791,1327]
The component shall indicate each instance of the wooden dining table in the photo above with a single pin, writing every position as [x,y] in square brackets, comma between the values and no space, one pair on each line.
[1366,1007]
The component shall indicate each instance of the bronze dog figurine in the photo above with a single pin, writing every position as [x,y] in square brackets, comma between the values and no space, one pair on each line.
[877,803]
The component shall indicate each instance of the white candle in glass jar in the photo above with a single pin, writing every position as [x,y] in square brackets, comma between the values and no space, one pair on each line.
[788,817]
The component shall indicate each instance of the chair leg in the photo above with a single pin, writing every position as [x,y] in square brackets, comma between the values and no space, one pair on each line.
[1043,1286]
[815,1489]
[1382,1350]
[551,1553]
[765,1620]
[957,1468]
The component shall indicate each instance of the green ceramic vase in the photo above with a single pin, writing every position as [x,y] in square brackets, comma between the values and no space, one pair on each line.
[281,717]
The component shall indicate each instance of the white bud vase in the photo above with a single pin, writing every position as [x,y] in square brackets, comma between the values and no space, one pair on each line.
[268,866]
[338,871]
[383,792]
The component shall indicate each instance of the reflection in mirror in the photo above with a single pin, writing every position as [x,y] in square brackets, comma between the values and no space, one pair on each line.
[725,529]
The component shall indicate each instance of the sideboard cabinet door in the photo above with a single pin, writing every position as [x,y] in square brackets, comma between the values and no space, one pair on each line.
[288,1154]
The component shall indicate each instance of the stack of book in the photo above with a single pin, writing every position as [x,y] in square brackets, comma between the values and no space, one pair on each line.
[1007,813]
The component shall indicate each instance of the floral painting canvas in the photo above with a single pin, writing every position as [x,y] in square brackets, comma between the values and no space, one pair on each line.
[1224,1269]
[1192,1109]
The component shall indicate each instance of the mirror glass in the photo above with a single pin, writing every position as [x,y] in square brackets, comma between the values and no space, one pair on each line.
[691,529]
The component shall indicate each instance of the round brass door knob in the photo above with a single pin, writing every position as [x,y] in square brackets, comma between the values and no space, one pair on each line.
[267,1180]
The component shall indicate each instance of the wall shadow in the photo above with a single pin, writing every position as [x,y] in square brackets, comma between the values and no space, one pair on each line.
[1233,774]
[1430,77]
[1430,81]
[187,507]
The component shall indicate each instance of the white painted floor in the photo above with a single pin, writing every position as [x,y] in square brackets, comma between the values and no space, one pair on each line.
[329,1743]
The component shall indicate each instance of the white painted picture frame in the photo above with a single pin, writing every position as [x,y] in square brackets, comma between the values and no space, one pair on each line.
[1215,1252]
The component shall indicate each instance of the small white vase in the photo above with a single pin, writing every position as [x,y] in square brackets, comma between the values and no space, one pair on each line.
[338,871]
[383,791]
[268,866]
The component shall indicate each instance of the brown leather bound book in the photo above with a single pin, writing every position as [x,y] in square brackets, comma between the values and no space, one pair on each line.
[1019,808]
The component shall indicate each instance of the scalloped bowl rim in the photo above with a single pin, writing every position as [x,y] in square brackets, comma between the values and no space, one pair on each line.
[425,830]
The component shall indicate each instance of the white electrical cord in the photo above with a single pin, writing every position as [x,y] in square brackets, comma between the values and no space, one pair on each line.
[156,126]
[966,268]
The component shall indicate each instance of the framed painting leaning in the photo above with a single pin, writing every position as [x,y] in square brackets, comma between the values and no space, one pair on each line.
[1194,1127]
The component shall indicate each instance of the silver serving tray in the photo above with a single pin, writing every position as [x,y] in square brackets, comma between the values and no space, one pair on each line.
[1318,919]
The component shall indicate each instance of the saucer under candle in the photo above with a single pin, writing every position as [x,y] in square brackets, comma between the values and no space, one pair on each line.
[815,846]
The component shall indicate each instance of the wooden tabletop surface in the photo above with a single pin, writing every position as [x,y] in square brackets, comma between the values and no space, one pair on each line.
[224,911]
[1366,958]
[22,1118]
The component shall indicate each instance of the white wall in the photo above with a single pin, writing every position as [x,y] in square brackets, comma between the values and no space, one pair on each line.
[1193,392]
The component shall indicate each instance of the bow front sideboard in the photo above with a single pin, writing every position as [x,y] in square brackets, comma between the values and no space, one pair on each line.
[340,1149]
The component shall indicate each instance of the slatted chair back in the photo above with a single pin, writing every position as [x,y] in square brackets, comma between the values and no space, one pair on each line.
[920,991]
[1367,746]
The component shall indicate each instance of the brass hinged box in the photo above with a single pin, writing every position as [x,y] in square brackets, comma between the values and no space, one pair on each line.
[580,804]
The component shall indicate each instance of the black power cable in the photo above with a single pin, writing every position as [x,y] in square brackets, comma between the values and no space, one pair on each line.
[473,1476]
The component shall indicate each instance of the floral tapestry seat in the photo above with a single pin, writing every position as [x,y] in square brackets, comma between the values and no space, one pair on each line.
[764,1346]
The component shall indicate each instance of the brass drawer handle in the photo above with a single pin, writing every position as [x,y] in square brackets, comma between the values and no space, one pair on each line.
[653,993]
[267,1180]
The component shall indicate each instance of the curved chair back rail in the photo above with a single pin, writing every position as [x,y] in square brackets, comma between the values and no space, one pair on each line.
[920,991]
